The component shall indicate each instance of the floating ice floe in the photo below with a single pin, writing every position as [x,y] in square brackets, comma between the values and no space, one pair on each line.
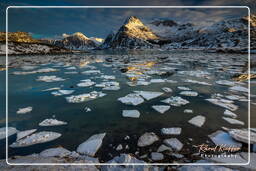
[108,77]
[87,109]
[71,68]
[119,147]
[196,73]
[147,139]
[236,97]
[171,131]
[161,108]
[91,72]
[241,135]
[197,82]
[131,99]
[131,113]
[188,111]
[28,67]
[189,93]
[92,145]
[86,83]
[163,148]
[239,88]
[37,138]
[23,134]
[84,97]
[167,89]
[223,138]
[225,82]
[230,114]
[52,122]
[62,92]
[11,131]
[175,101]
[155,156]
[71,72]
[157,80]
[233,121]
[43,70]
[24,110]
[142,83]
[55,152]
[171,81]
[48,79]
[148,95]
[197,120]
[174,143]
[111,85]
[184,88]
[51,89]
[223,103]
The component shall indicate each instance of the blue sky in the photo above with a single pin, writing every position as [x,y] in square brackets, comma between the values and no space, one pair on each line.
[100,22]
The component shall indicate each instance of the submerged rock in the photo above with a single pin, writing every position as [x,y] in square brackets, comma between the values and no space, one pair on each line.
[161,108]
[52,122]
[92,145]
[147,139]
[197,121]
[223,138]
[11,131]
[174,143]
[55,152]
[24,110]
[131,99]
[171,131]
[131,113]
[37,138]
[233,121]
[175,101]
[23,134]
[155,156]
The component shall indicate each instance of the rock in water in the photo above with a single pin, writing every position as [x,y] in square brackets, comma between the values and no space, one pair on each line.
[37,138]
[174,143]
[197,121]
[161,108]
[92,145]
[131,113]
[147,139]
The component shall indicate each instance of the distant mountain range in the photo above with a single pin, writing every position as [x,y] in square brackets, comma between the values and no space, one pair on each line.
[158,34]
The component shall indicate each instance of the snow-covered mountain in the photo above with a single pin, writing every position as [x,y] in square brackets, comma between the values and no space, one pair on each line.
[76,41]
[132,34]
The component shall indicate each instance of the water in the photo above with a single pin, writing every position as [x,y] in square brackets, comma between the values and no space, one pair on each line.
[106,114]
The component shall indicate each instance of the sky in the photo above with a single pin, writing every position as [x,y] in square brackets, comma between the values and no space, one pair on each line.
[99,22]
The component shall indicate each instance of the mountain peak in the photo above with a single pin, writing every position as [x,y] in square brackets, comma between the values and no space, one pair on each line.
[132,19]
[80,35]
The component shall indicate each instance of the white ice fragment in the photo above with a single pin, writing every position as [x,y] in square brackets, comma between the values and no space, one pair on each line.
[167,89]
[24,110]
[52,122]
[223,138]
[221,102]
[131,99]
[11,131]
[23,134]
[197,82]
[55,152]
[233,121]
[174,143]
[86,83]
[188,93]
[62,92]
[131,113]
[230,114]
[157,81]
[147,139]
[188,111]
[52,78]
[161,108]
[171,131]
[148,95]
[84,97]
[225,82]
[184,88]
[175,101]
[239,88]
[197,120]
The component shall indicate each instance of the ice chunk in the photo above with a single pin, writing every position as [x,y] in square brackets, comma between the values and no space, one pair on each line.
[147,139]
[62,92]
[223,138]
[239,88]
[189,93]
[92,145]
[197,120]
[225,82]
[174,143]
[155,156]
[197,82]
[91,72]
[188,111]
[55,152]
[43,70]
[148,95]
[221,102]
[131,113]
[23,134]
[108,77]
[24,110]
[37,138]
[167,89]
[175,101]
[184,88]
[131,99]
[241,135]
[161,108]
[233,121]
[171,131]
[51,122]
[86,83]
[48,79]
[230,114]
[157,81]
[84,97]
[11,131]
[163,148]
